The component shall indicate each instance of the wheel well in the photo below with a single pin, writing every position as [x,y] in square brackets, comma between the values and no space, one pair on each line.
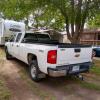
[6,49]
[31,57]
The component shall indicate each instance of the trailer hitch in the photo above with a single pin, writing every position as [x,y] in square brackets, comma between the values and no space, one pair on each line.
[80,77]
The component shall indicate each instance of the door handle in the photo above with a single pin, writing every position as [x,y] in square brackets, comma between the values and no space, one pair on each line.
[17,45]
[12,45]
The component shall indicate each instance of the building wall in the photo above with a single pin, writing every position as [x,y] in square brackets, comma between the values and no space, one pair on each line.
[90,38]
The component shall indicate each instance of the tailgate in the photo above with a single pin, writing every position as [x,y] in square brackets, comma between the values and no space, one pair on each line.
[66,56]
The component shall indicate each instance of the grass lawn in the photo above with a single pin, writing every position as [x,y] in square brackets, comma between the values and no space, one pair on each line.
[2,53]
[96,68]
[94,76]
[4,92]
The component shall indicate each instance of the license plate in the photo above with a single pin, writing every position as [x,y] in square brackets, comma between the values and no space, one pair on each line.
[75,68]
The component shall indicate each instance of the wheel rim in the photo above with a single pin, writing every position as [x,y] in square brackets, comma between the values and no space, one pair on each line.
[33,71]
[94,53]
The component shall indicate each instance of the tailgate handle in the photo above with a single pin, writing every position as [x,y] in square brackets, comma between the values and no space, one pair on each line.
[77,50]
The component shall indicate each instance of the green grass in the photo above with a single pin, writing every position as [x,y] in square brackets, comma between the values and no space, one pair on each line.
[89,85]
[2,53]
[84,84]
[96,68]
[4,92]
[94,71]
[43,94]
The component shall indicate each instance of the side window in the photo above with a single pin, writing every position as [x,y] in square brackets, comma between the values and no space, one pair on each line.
[18,37]
[12,38]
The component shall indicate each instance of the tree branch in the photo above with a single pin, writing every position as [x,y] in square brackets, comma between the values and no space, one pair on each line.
[67,29]
[78,18]
[72,17]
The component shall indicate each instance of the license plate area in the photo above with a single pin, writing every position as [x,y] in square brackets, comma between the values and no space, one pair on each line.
[75,68]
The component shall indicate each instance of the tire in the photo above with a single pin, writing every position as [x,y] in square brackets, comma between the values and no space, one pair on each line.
[8,56]
[94,53]
[34,71]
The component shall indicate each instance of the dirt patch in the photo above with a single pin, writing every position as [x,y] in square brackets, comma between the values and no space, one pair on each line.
[17,86]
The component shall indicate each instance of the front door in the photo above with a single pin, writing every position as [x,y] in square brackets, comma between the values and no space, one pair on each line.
[17,46]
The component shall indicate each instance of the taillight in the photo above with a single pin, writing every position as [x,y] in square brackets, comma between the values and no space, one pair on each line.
[52,56]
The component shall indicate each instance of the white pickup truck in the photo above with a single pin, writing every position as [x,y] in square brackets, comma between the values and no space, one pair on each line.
[48,57]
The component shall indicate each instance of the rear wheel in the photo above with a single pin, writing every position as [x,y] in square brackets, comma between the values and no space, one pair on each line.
[34,71]
[8,56]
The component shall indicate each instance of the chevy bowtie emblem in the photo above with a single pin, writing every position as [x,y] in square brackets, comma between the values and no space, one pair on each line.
[77,55]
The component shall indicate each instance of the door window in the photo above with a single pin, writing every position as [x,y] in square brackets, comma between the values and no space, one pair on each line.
[12,38]
[18,37]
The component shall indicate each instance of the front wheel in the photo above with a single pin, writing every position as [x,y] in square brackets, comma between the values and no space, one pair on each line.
[8,56]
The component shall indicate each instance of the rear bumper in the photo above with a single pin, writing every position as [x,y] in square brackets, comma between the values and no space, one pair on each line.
[68,69]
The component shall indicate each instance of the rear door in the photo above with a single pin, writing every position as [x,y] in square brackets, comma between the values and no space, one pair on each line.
[66,56]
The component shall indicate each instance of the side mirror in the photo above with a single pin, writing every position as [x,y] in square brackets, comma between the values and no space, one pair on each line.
[24,40]
[10,40]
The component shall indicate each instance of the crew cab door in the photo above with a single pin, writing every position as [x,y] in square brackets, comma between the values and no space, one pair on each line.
[16,46]
[10,46]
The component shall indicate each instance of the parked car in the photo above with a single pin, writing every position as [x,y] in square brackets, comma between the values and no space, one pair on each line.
[96,51]
[48,57]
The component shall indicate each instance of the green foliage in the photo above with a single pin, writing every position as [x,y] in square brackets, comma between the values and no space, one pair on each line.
[15,9]
[95,22]
[74,13]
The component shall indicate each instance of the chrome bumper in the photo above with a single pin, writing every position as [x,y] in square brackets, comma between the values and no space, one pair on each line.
[67,69]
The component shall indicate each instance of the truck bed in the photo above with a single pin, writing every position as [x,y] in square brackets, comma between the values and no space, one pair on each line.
[60,45]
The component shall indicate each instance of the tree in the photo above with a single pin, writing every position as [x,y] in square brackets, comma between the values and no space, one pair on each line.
[74,12]
[16,9]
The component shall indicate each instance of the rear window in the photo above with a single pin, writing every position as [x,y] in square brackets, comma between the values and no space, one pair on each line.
[35,37]
[30,36]
[42,37]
